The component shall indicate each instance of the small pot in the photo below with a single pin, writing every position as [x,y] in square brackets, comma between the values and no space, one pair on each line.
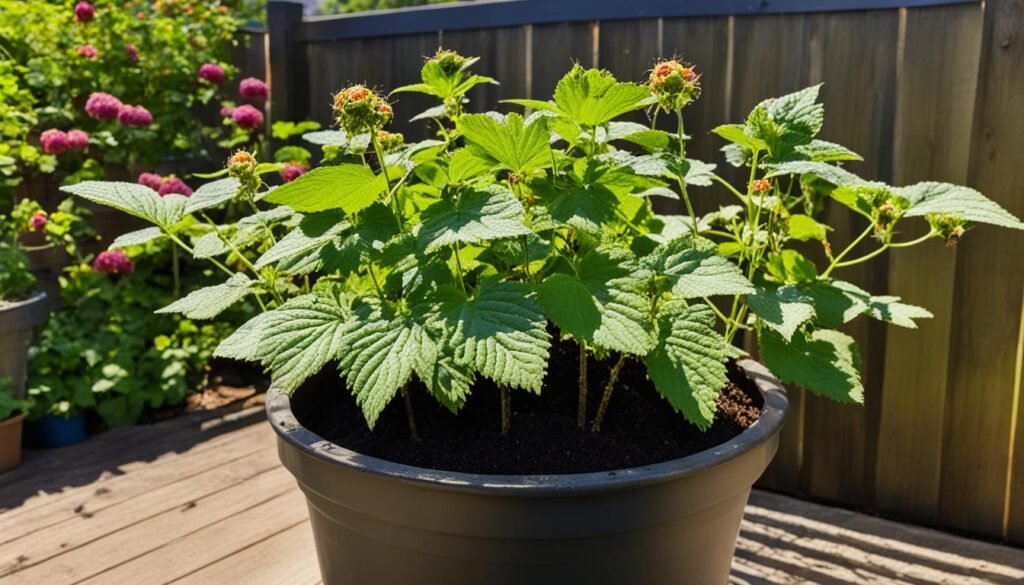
[17,320]
[10,442]
[54,430]
[375,521]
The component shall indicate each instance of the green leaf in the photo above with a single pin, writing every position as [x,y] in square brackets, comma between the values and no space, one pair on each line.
[600,302]
[465,165]
[963,202]
[824,362]
[695,269]
[833,174]
[822,151]
[136,238]
[585,207]
[208,302]
[348,187]
[790,266]
[737,134]
[212,195]
[515,145]
[315,231]
[501,332]
[473,216]
[783,309]
[805,228]
[593,97]
[688,364]
[133,199]
[294,340]
[798,113]
[837,302]
[378,357]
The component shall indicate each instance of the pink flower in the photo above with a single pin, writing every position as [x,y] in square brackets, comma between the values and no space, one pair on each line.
[54,141]
[37,221]
[292,171]
[135,116]
[226,112]
[212,73]
[133,53]
[103,106]
[113,262]
[151,180]
[88,51]
[247,117]
[251,88]
[84,12]
[77,140]
[174,185]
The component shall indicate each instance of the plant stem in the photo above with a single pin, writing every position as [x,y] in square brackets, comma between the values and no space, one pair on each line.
[526,257]
[680,178]
[176,271]
[393,198]
[728,186]
[606,397]
[458,267]
[847,250]
[506,411]
[581,409]
[270,281]
[189,249]
[409,415]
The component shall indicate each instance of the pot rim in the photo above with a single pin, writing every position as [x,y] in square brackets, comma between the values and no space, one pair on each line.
[13,419]
[27,312]
[773,415]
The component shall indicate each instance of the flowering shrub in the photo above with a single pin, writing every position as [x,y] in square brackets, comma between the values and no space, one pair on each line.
[434,264]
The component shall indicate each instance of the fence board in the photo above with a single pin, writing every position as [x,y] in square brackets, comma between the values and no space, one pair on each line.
[933,129]
[781,47]
[336,66]
[555,47]
[988,293]
[859,96]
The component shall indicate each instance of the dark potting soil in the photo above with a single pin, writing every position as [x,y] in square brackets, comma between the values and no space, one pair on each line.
[640,427]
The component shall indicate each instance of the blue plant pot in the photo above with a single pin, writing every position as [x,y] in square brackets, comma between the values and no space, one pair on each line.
[55,431]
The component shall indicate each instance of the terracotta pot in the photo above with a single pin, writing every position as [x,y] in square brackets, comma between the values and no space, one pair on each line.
[375,521]
[17,320]
[10,442]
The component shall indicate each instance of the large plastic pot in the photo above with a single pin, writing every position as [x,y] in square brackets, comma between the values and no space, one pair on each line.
[17,320]
[10,442]
[676,522]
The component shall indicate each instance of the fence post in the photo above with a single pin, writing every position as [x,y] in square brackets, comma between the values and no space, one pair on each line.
[283,65]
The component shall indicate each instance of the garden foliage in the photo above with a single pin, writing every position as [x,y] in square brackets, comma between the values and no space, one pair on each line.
[458,258]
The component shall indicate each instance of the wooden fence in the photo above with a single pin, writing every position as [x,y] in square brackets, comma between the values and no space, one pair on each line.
[923,90]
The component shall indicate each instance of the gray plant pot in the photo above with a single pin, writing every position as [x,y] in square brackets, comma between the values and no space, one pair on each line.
[672,523]
[17,320]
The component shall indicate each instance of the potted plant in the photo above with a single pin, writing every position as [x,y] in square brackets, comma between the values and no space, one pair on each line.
[22,308]
[545,366]
[12,414]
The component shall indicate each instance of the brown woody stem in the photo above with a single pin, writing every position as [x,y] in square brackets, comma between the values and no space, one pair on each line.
[606,397]
[409,415]
[506,411]
[581,410]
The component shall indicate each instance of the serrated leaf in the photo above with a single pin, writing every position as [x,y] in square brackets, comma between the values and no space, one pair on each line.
[833,174]
[784,309]
[824,362]
[790,266]
[378,357]
[209,245]
[737,134]
[501,332]
[600,303]
[688,364]
[208,302]
[797,112]
[136,238]
[465,165]
[313,232]
[473,216]
[515,145]
[823,151]
[964,202]
[695,269]
[593,97]
[133,199]
[212,194]
[837,302]
[294,340]
[348,187]
[449,382]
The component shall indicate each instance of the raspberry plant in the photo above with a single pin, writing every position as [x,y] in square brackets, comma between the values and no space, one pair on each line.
[458,258]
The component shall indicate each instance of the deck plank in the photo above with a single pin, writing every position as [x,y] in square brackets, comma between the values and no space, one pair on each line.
[224,511]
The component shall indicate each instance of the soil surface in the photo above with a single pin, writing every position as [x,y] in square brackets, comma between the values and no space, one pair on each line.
[640,427]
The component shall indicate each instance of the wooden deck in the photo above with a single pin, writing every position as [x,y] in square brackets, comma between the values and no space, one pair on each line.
[203,500]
